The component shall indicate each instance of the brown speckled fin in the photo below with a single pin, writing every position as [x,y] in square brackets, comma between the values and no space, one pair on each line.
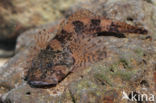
[60,27]
[82,13]
[120,27]
[87,51]
[67,25]
[41,39]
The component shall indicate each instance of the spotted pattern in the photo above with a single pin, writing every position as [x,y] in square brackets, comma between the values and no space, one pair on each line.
[78,27]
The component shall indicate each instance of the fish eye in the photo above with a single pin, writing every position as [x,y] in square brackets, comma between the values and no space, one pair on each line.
[49,65]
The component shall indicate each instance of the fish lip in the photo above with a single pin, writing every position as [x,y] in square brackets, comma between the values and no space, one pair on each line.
[41,84]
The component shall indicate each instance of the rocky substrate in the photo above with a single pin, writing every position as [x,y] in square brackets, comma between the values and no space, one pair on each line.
[129,66]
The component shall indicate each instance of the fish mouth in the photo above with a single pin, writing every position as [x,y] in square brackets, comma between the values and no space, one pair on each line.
[41,84]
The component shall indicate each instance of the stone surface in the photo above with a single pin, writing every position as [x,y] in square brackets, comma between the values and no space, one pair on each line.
[130,65]
[17,16]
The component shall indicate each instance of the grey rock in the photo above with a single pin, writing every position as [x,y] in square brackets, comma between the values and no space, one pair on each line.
[130,65]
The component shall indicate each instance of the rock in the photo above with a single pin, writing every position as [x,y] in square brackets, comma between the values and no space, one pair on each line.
[151,1]
[3,61]
[129,67]
[17,16]
[7,48]
[27,39]
[101,82]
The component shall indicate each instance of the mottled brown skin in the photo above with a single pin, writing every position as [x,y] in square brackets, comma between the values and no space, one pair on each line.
[75,45]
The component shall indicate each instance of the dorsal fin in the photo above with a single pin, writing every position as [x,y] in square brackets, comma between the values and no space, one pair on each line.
[60,26]
[82,13]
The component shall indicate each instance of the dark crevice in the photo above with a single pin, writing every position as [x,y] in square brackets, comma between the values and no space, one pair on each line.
[149,1]
[8,47]
[111,70]
[7,4]
[101,82]
[148,37]
[7,44]
[28,93]
[72,96]
[81,76]
[145,83]
[144,61]
[130,19]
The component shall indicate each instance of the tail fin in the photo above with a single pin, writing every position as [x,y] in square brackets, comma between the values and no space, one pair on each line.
[121,27]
